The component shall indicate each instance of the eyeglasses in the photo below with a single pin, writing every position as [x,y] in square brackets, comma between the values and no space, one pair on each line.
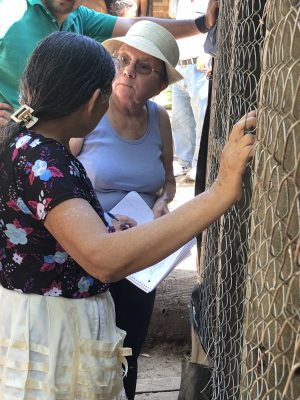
[141,67]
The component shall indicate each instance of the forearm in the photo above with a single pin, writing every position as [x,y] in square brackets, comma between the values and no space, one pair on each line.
[178,28]
[156,240]
[112,256]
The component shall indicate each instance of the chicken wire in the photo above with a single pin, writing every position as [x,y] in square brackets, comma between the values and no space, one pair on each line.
[247,307]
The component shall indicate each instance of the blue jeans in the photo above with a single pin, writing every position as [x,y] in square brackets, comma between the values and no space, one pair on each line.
[189,100]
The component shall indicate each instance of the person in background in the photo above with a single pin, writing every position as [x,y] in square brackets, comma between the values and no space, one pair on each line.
[120,8]
[131,149]
[189,96]
[123,8]
[127,8]
[25,22]
[58,251]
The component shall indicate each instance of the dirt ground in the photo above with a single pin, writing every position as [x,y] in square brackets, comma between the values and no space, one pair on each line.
[160,371]
[163,355]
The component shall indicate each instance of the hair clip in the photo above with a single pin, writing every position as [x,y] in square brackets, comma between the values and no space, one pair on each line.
[24,114]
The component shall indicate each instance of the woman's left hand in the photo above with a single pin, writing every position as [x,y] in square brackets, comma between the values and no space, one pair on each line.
[123,222]
[160,208]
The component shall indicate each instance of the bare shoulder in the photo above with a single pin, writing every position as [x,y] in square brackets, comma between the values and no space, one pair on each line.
[163,113]
[76,145]
[164,121]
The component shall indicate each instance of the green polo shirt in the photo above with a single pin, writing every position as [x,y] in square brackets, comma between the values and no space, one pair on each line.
[23,23]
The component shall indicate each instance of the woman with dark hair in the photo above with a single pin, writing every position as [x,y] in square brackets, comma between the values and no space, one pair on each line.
[58,338]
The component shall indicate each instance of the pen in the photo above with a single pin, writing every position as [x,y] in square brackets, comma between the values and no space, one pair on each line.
[111,216]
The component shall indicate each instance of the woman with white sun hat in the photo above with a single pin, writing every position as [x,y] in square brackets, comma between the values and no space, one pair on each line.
[131,150]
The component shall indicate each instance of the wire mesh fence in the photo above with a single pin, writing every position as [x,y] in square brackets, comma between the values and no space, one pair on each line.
[248,303]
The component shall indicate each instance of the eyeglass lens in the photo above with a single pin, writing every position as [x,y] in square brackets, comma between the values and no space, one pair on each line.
[141,67]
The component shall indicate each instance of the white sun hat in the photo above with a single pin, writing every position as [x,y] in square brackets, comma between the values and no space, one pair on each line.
[153,39]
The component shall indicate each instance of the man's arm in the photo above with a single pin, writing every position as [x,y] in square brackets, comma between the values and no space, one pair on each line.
[178,28]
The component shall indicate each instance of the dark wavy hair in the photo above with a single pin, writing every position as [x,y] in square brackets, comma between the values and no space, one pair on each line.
[61,75]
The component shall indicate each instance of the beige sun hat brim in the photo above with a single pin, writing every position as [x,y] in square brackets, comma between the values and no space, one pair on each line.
[147,46]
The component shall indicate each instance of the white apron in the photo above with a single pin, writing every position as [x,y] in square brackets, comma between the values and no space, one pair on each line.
[53,348]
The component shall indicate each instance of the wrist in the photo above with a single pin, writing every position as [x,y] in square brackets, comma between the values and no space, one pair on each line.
[226,197]
[201,24]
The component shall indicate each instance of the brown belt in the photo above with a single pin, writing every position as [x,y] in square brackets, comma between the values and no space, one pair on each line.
[188,61]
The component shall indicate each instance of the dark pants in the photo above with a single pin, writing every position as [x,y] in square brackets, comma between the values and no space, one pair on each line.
[133,312]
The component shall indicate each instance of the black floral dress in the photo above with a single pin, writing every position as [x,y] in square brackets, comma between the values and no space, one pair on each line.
[36,174]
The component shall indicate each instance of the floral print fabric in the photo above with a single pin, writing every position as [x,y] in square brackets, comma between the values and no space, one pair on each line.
[36,174]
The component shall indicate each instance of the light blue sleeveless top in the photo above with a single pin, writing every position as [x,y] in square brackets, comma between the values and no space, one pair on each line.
[117,166]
